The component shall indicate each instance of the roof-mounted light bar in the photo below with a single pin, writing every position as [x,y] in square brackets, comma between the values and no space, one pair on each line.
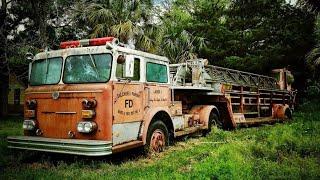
[89,42]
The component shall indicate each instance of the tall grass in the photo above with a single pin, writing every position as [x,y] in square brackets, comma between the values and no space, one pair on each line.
[282,151]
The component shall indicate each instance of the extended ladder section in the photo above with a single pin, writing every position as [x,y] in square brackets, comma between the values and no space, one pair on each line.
[240,78]
[197,73]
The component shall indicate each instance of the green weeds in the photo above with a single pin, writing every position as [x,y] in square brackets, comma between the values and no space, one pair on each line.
[288,150]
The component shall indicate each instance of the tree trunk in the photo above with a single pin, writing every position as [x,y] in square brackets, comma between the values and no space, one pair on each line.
[41,8]
[4,90]
[4,66]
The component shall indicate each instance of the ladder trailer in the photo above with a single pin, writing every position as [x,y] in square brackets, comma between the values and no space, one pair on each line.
[97,97]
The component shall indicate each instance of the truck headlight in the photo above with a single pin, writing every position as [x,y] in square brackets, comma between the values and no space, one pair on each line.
[86,126]
[29,125]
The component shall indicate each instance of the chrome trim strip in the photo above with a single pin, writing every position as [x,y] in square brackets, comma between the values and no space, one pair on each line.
[65,146]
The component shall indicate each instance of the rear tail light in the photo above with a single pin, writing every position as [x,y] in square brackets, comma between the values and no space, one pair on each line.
[86,126]
[29,125]
[87,114]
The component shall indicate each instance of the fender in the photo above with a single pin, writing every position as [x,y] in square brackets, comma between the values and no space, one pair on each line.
[148,118]
[279,110]
[204,112]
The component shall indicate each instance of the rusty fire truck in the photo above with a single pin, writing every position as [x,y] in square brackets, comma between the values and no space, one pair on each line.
[96,97]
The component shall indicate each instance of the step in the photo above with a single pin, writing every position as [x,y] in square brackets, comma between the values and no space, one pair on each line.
[127,145]
[188,130]
[261,120]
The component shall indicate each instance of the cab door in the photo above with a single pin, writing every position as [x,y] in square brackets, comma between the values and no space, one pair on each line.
[128,110]
[157,84]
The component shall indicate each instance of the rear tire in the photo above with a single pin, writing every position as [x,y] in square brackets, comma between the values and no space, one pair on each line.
[157,137]
[288,113]
[213,121]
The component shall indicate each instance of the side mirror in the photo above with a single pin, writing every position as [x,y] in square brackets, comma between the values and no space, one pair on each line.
[29,56]
[121,59]
[29,71]
[129,66]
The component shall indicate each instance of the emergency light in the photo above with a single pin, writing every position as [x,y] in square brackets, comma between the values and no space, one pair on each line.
[88,42]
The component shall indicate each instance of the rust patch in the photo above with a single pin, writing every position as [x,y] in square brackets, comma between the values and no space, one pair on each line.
[57,117]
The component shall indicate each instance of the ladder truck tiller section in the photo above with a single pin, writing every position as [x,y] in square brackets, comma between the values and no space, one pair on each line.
[244,98]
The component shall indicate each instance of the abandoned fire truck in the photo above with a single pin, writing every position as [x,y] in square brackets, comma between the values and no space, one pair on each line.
[96,97]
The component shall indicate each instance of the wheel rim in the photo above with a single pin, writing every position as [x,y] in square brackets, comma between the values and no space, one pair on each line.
[157,142]
[216,122]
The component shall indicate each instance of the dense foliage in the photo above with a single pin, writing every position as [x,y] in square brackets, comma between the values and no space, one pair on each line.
[255,36]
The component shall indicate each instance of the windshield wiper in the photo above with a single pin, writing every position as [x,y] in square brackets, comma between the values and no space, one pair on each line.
[92,61]
[47,65]
[94,64]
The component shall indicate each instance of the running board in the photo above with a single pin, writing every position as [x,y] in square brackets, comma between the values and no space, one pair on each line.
[257,121]
[126,146]
[188,131]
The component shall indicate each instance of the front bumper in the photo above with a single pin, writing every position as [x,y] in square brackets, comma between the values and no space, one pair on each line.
[66,146]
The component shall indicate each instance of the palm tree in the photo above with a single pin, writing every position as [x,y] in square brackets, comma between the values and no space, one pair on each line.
[139,23]
[313,61]
[178,43]
[313,57]
[124,19]
[180,46]
[313,5]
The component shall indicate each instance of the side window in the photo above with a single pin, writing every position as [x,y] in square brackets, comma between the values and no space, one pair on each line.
[157,73]
[136,72]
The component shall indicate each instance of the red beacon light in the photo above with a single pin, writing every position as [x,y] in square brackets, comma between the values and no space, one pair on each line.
[88,42]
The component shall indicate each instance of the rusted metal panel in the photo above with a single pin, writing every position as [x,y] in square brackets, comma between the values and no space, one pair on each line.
[158,95]
[176,108]
[239,118]
[56,117]
[128,100]
[257,121]
[148,116]
[178,123]
[189,130]
[126,146]
[278,111]
[158,99]
[125,132]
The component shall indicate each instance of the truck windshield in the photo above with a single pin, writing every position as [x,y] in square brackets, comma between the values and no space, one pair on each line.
[87,68]
[46,71]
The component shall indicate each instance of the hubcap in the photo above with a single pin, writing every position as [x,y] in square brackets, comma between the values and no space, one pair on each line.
[157,142]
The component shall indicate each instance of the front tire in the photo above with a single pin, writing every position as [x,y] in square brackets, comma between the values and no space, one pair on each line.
[157,137]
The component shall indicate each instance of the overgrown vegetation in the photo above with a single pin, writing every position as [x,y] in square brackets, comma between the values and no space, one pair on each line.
[288,150]
[251,35]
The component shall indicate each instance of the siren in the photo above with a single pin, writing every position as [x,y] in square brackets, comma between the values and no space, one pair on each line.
[88,42]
